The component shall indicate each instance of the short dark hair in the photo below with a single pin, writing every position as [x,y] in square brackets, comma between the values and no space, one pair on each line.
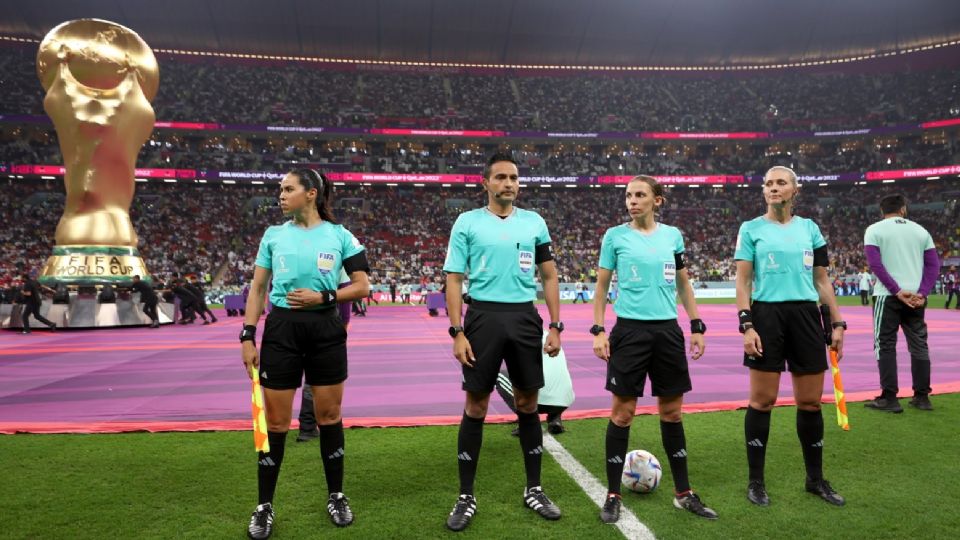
[497,158]
[136,276]
[891,204]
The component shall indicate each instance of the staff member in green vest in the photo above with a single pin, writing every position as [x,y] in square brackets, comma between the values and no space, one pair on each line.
[501,246]
[303,337]
[782,267]
[648,259]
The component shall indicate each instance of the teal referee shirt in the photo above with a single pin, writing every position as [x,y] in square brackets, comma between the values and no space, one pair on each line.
[646,269]
[782,257]
[302,258]
[498,254]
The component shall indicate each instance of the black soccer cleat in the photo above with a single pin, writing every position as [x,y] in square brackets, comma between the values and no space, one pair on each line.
[462,513]
[610,513]
[822,489]
[555,426]
[757,493]
[261,522]
[338,506]
[886,404]
[535,499]
[921,402]
[691,502]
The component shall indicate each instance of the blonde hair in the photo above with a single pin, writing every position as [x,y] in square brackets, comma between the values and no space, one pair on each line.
[788,170]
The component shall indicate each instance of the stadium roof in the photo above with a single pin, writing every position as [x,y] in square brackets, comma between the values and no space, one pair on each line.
[542,32]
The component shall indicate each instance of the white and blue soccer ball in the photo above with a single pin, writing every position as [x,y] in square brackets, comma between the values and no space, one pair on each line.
[641,471]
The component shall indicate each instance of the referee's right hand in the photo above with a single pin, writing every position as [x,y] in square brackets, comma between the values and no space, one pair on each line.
[462,351]
[251,361]
[751,343]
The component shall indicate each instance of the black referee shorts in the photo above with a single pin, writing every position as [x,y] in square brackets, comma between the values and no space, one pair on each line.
[500,332]
[791,335]
[642,348]
[299,345]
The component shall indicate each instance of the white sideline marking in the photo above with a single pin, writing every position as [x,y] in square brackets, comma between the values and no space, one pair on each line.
[629,525]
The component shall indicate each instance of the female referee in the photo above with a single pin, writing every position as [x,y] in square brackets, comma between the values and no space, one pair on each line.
[303,337]
[782,265]
[646,340]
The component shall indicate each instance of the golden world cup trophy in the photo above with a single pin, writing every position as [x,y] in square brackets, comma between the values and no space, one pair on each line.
[99,78]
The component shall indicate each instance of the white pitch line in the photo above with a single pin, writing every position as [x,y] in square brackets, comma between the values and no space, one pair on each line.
[629,525]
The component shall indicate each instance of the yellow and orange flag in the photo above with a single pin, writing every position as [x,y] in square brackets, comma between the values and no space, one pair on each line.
[260,441]
[841,400]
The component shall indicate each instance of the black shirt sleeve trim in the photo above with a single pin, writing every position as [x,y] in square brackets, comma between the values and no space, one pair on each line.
[357,263]
[543,254]
[678,260]
[820,257]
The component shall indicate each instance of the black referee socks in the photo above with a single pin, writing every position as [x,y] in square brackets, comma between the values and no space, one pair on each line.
[675,443]
[810,432]
[268,466]
[469,441]
[531,442]
[331,452]
[756,430]
[617,440]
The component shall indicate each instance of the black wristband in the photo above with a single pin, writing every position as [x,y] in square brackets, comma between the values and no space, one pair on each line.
[329,297]
[697,326]
[745,316]
[249,333]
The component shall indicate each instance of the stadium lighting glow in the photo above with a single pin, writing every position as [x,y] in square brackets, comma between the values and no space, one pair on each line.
[889,181]
[444,185]
[229,181]
[391,184]
[823,184]
[545,186]
[470,185]
[258,182]
[170,180]
[418,185]
[48,177]
[933,178]
[339,184]
[201,181]
[742,67]
[139,179]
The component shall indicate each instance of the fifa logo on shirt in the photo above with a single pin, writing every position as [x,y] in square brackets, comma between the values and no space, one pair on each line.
[283,264]
[636,274]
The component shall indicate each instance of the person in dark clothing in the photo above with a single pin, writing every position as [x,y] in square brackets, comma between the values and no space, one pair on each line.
[31,295]
[201,304]
[188,301]
[149,300]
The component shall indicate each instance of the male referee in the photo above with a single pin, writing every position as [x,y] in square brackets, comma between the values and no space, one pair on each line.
[500,245]
[902,256]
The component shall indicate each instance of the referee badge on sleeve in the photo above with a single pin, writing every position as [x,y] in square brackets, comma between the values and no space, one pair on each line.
[807,259]
[669,272]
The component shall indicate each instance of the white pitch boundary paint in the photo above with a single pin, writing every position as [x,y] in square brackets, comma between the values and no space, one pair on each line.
[629,525]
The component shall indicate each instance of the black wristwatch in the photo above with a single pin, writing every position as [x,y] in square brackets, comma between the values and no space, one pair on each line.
[839,324]
[454,330]
[597,330]
[249,333]
[557,325]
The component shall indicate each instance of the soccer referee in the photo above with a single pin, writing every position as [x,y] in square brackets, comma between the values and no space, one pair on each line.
[500,245]
[902,256]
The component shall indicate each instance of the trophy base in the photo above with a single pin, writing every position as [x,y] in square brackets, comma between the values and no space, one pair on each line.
[93,265]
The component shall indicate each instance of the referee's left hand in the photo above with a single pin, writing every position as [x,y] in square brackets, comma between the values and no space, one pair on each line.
[697,346]
[552,346]
[837,344]
[304,298]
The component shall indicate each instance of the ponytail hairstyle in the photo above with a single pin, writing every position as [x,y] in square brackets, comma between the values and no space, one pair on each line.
[311,179]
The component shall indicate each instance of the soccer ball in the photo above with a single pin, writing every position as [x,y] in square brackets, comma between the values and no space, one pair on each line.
[641,471]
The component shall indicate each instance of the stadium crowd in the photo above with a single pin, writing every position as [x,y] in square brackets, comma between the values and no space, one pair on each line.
[247,92]
[38,146]
[215,229]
